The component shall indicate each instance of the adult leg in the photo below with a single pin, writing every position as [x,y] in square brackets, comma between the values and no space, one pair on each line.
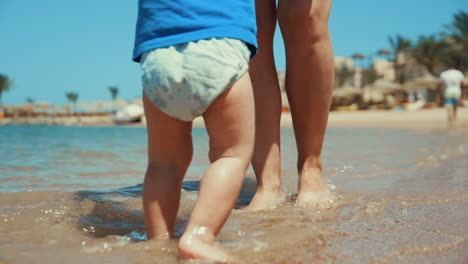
[266,160]
[455,108]
[309,83]
[231,125]
[169,155]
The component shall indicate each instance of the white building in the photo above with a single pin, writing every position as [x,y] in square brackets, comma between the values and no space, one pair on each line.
[384,68]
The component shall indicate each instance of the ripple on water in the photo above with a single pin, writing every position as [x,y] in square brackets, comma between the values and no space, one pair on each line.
[386,179]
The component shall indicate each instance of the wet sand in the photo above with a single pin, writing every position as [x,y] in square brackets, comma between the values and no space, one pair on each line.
[402,197]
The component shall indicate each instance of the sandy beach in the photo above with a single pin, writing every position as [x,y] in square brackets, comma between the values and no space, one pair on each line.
[432,119]
[423,119]
[426,119]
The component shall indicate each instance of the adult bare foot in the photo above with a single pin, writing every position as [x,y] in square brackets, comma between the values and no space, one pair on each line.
[313,191]
[319,199]
[201,245]
[266,200]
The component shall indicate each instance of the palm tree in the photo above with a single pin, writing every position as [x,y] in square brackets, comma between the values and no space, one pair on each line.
[5,85]
[114,91]
[72,97]
[342,74]
[399,45]
[456,50]
[29,100]
[358,57]
[369,76]
[459,26]
[428,52]
[384,53]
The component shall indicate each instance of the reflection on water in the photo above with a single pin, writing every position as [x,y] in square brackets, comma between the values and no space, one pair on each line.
[73,195]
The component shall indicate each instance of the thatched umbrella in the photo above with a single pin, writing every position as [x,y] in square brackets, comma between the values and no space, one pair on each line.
[377,91]
[427,81]
[426,87]
[371,95]
[387,87]
[346,92]
[346,96]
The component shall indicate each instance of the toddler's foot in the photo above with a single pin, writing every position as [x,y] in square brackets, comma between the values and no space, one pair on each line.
[202,246]
[266,200]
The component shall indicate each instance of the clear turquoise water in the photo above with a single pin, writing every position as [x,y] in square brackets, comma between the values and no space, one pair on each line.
[71,158]
[75,158]
[73,195]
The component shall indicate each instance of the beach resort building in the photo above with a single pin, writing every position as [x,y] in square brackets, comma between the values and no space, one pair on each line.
[384,68]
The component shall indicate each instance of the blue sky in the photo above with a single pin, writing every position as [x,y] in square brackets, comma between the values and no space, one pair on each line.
[51,47]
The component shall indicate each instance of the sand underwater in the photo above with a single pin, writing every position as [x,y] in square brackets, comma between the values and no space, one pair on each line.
[73,195]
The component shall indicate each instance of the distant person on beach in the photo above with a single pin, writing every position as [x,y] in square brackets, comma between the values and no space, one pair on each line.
[195,56]
[309,83]
[452,83]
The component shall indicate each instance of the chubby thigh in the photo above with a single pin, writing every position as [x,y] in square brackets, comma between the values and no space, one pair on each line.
[183,80]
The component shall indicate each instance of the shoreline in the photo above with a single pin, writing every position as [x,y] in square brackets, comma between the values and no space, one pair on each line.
[422,119]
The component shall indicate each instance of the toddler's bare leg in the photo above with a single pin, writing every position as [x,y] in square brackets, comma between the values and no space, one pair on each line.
[266,160]
[230,122]
[309,83]
[169,155]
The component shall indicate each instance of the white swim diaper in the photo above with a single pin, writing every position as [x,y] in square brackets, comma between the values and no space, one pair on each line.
[183,80]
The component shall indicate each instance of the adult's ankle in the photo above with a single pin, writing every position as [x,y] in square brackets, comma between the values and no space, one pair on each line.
[270,186]
[313,163]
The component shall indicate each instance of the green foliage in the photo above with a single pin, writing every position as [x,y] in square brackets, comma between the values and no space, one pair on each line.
[358,58]
[369,76]
[459,26]
[114,91]
[343,74]
[429,52]
[6,84]
[72,97]
[399,44]
[456,44]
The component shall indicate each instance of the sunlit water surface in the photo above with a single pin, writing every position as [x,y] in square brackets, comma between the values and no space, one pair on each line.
[73,195]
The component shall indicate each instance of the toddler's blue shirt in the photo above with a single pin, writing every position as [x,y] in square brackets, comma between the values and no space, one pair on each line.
[163,23]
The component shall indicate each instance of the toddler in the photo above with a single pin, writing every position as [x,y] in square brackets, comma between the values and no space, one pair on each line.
[194,56]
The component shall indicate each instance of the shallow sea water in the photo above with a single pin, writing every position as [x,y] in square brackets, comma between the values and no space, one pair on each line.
[73,195]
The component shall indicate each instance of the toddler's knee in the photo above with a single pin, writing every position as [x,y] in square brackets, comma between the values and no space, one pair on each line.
[243,152]
[170,173]
[173,164]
